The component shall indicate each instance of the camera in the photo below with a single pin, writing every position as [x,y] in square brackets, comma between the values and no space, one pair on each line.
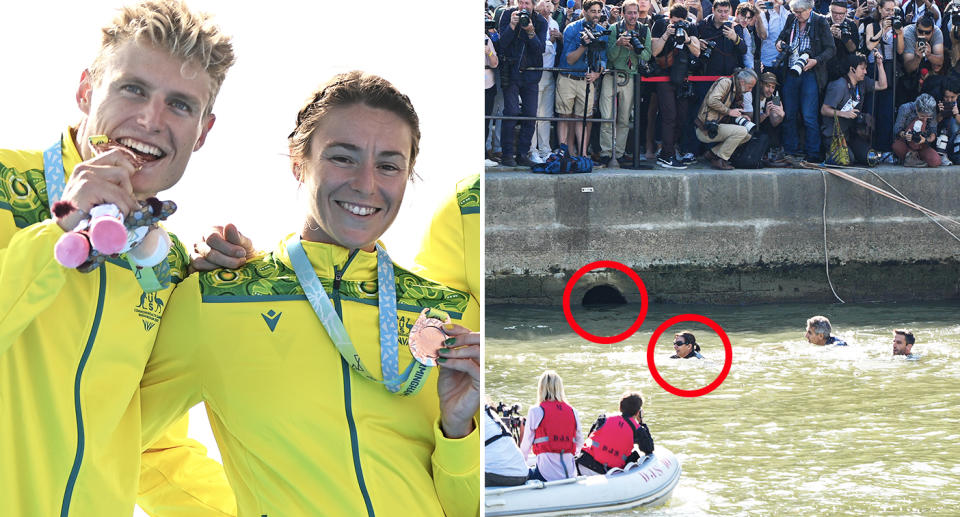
[955,18]
[634,36]
[801,61]
[728,24]
[524,19]
[603,18]
[510,416]
[681,33]
[591,37]
[685,91]
[942,141]
[873,158]
[846,30]
[711,128]
[782,58]
[706,52]
[775,100]
[489,25]
[896,21]
[746,123]
[948,106]
[768,5]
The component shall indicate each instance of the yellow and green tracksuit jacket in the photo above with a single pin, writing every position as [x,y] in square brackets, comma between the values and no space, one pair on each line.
[72,350]
[300,432]
[453,247]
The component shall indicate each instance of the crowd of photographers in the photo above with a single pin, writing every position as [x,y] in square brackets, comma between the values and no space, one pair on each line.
[738,83]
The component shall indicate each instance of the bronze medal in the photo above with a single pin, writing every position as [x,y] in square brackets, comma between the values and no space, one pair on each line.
[427,337]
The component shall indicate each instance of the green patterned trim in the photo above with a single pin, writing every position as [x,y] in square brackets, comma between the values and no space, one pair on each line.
[468,195]
[24,193]
[268,278]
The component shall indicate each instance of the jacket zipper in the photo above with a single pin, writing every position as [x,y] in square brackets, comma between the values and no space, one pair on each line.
[78,459]
[348,407]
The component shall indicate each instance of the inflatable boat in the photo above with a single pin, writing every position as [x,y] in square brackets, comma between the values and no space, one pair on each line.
[648,482]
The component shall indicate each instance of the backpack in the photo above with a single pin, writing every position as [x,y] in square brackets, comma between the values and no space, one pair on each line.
[560,162]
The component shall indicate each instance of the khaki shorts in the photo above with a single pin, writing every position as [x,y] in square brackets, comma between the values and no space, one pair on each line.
[571,96]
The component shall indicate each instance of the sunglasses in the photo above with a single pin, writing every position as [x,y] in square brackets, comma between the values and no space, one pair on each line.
[923,33]
[678,343]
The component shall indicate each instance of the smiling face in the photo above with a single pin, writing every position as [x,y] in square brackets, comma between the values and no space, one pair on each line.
[355,173]
[152,103]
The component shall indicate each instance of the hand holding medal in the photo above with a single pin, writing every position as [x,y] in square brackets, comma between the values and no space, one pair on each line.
[458,382]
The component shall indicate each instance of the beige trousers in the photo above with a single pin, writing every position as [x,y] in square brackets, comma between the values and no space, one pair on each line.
[730,137]
[624,107]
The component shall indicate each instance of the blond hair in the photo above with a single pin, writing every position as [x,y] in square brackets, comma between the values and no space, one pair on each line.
[172,26]
[348,89]
[550,387]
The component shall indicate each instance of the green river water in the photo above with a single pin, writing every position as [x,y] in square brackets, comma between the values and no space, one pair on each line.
[795,429]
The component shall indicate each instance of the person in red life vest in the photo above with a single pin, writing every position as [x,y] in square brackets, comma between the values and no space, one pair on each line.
[612,439]
[686,346]
[552,432]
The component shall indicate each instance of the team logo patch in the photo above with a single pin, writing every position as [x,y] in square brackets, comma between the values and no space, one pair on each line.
[272,318]
[149,310]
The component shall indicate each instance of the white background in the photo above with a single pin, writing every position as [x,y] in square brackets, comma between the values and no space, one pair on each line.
[284,50]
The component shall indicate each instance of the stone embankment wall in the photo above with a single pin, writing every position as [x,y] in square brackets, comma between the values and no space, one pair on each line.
[704,236]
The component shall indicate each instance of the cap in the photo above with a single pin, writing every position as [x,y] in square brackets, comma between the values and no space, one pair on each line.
[769,77]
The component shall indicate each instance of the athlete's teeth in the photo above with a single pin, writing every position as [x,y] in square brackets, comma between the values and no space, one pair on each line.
[143,148]
[357,210]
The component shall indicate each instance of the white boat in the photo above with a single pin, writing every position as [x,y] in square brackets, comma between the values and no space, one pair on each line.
[648,482]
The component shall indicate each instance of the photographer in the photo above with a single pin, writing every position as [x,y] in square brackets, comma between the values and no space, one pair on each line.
[523,35]
[846,38]
[844,100]
[881,33]
[503,463]
[540,146]
[674,42]
[613,437]
[922,45]
[763,149]
[806,45]
[772,19]
[584,57]
[747,20]
[916,129]
[490,83]
[712,120]
[948,117]
[627,47]
[913,10]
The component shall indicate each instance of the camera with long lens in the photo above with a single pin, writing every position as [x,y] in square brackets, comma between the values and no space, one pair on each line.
[635,42]
[680,33]
[799,64]
[711,128]
[524,19]
[896,21]
[746,123]
[591,37]
[510,416]
[708,51]
[782,58]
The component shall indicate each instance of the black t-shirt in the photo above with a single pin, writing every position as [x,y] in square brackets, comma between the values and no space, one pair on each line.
[660,27]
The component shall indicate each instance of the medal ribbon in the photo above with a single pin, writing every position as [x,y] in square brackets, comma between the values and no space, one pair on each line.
[55,178]
[415,375]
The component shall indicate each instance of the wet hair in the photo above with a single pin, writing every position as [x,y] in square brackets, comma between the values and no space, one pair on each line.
[678,11]
[926,104]
[907,336]
[688,339]
[801,4]
[172,26]
[349,89]
[630,403]
[854,60]
[550,387]
[820,325]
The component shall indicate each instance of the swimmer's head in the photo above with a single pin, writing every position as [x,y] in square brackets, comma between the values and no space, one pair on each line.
[550,387]
[902,342]
[818,330]
[685,343]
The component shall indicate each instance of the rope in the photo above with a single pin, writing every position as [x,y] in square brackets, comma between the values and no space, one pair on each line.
[826,258]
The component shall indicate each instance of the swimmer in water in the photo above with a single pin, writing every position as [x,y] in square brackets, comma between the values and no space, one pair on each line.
[686,346]
[818,332]
[903,341]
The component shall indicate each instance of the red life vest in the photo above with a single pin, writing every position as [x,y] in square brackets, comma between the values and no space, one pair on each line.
[613,442]
[557,429]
